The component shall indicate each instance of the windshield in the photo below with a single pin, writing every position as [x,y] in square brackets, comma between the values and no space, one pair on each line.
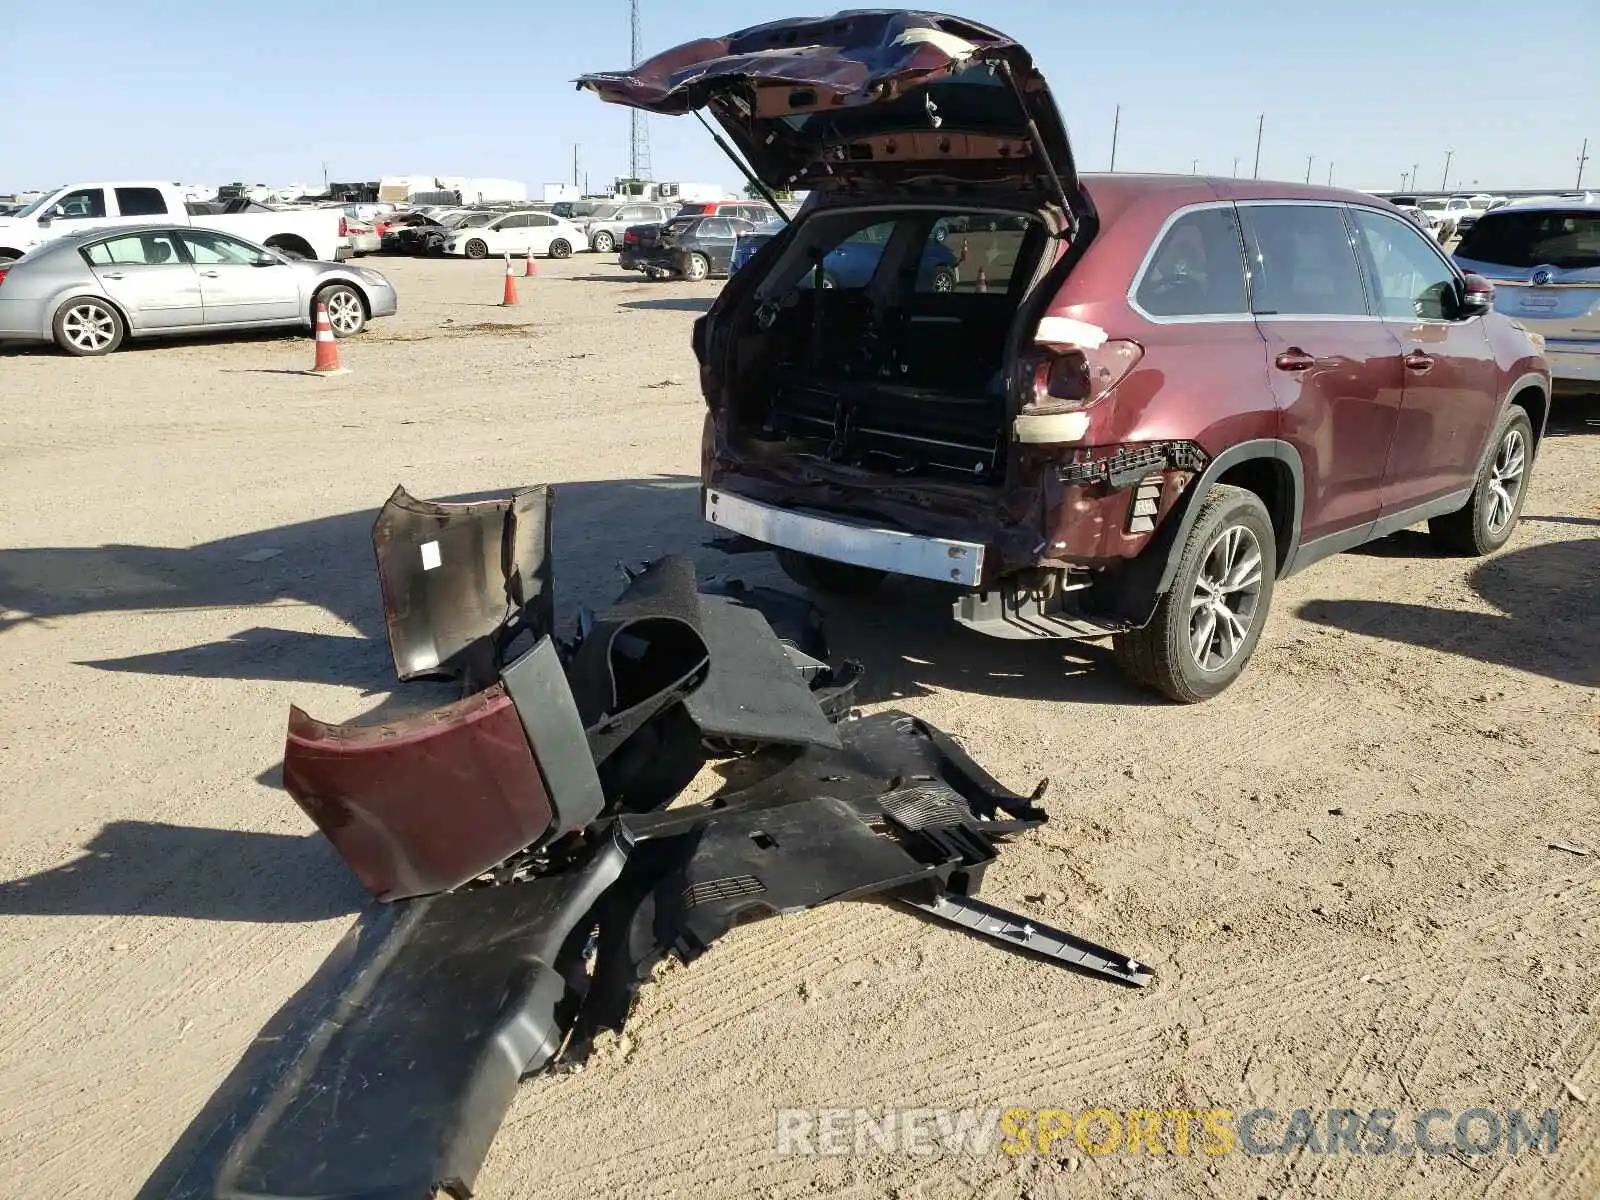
[35,206]
[1566,239]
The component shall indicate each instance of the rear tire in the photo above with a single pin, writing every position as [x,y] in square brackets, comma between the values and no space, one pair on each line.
[829,577]
[1207,626]
[1489,518]
[561,248]
[87,327]
[696,267]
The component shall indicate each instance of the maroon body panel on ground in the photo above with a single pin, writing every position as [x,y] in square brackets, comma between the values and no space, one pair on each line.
[425,803]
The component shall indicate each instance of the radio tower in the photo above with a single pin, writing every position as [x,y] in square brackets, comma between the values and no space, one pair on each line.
[639,148]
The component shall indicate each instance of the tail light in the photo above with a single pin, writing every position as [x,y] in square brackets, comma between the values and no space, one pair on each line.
[2,274]
[344,227]
[1062,378]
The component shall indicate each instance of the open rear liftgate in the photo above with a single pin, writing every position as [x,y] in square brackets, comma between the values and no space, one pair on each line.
[536,878]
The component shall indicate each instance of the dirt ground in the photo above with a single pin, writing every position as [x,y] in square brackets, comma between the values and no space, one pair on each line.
[1341,868]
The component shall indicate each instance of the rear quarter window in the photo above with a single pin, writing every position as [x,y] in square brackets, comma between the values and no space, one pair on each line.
[1197,269]
[141,202]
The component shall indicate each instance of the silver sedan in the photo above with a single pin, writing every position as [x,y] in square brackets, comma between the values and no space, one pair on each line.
[88,291]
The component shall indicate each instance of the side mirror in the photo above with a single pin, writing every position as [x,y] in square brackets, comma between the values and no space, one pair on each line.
[1477,295]
[267,260]
[44,221]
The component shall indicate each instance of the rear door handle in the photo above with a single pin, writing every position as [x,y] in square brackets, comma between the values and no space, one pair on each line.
[1295,359]
[211,274]
[1419,363]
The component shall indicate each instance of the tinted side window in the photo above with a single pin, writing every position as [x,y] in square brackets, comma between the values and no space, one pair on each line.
[1411,280]
[1197,270]
[540,221]
[516,222]
[1301,261]
[714,227]
[141,202]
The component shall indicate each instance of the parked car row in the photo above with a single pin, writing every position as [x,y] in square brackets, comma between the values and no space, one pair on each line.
[89,290]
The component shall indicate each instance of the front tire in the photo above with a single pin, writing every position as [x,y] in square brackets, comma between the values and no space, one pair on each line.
[1207,626]
[829,577]
[603,243]
[944,280]
[476,248]
[561,248]
[347,315]
[87,327]
[1489,518]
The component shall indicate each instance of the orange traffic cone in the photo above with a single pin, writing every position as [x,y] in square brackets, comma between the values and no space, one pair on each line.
[529,271]
[327,362]
[983,280]
[509,300]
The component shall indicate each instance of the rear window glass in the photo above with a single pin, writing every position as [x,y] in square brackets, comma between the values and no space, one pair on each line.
[1569,240]
[137,249]
[1302,262]
[1197,269]
[141,202]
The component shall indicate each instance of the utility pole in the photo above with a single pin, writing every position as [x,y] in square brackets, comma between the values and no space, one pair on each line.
[1445,181]
[1194,166]
[325,175]
[1235,166]
[1116,126]
[1330,174]
[1310,158]
[1583,157]
[1261,123]
[574,164]
[1416,177]
[1404,176]
[639,145]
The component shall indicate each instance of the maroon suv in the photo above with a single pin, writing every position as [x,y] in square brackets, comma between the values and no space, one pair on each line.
[1147,398]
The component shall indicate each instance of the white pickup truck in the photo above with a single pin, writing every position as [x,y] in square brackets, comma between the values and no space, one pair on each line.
[307,233]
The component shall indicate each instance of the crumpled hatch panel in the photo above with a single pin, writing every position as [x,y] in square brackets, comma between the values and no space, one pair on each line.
[876,93]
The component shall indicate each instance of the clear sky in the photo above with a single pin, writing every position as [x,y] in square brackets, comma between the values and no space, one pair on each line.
[266,92]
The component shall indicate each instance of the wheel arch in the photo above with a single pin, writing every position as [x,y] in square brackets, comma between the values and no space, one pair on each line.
[1531,393]
[291,242]
[1269,467]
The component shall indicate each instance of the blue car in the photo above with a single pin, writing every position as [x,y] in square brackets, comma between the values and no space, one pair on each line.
[852,263]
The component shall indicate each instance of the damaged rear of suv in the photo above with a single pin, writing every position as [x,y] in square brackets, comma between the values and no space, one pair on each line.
[1126,405]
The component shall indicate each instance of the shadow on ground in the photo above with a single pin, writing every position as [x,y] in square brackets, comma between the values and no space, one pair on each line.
[1546,626]
[697,304]
[144,868]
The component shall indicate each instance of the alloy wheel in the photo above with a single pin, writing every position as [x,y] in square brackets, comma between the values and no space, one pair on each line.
[1222,608]
[89,327]
[1505,480]
[344,312]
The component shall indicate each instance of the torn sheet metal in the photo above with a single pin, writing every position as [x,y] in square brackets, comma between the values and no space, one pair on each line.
[461,581]
[425,803]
